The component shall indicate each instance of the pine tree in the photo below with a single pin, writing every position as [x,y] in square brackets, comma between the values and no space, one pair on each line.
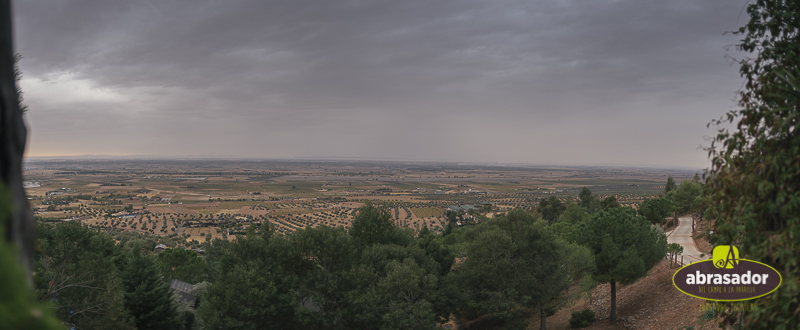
[625,246]
[147,296]
[586,199]
[670,185]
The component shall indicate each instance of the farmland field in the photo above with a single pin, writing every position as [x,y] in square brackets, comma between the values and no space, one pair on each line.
[426,212]
[169,198]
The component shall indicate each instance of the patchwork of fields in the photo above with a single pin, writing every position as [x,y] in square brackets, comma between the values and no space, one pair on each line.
[227,197]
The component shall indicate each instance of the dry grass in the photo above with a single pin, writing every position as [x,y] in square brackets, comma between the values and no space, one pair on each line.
[426,212]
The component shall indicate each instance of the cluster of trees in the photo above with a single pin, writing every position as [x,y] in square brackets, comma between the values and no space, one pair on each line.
[552,209]
[373,276]
[624,242]
[677,199]
[93,282]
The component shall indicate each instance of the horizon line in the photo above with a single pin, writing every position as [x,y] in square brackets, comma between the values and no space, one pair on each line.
[333,158]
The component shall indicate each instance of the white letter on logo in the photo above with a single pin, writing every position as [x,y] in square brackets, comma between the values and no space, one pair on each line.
[746,278]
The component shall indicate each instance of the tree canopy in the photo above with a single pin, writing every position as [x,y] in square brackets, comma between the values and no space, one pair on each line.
[515,261]
[752,186]
[75,268]
[551,208]
[670,186]
[625,247]
[586,198]
[688,197]
[655,210]
[147,295]
[185,265]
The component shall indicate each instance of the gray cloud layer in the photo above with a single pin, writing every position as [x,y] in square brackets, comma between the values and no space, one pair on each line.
[578,82]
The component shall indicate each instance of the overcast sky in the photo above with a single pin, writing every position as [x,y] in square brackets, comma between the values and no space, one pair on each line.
[542,82]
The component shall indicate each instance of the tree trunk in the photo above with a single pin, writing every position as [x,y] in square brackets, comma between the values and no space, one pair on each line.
[613,302]
[544,317]
[19,227]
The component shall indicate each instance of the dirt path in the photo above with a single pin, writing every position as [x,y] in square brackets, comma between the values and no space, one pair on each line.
[683,236]
[178,231]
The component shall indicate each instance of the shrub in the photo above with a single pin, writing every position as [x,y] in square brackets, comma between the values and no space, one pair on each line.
[581,319]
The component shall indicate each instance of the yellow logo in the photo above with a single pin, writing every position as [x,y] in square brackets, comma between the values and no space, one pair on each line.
[726,256]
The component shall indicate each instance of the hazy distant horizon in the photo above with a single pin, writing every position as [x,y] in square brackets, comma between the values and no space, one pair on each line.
[346,159]
[551,82]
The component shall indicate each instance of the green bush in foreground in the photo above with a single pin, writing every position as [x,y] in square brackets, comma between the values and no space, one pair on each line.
[581,319]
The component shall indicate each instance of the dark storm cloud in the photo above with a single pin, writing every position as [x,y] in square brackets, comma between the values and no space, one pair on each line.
[409,68]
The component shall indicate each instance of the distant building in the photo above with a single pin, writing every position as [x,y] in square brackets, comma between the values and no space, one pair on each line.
[461,208]
[183,291]
[159,248]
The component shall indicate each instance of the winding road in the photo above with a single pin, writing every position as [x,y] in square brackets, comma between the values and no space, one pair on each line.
[683,236]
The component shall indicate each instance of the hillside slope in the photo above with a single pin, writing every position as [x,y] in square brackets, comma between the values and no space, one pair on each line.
[650,303]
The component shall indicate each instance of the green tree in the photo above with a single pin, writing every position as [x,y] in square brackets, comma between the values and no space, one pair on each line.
[434,248]
[185,265]
[385,286]
[394,295]
[551,208]
[515,261]
[574,214]
[674,250]
[687,197]
[327,255]
[753,182]
[625,247]
[373,225]
[407,284]
[75,270]
[655,209]
[586,199]
[256,287]
[670,186]
[147,295]
[573,263]
[609,203]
